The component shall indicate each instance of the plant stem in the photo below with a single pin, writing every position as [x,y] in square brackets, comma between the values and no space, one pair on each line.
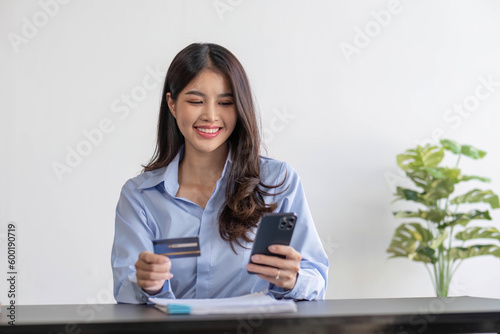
[458,160]
[436,280]
[442,272]
[448,260]
[431,275]
[446,269]
[456,267]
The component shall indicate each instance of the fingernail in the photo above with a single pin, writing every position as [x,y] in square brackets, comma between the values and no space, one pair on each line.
[272,248]
[256,258]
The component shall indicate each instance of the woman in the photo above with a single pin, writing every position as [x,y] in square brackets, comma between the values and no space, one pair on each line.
[207,179]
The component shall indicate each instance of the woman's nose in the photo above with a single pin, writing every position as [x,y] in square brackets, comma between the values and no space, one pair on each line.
[211,113]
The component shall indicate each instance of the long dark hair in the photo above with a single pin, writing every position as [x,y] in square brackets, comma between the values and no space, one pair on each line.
[245,191]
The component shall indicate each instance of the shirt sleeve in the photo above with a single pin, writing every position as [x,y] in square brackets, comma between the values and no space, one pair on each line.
[133,235]
[313,274]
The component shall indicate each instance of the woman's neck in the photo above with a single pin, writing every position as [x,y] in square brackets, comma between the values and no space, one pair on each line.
[200,168]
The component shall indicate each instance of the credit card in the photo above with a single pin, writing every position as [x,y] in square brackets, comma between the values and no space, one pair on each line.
[177,247]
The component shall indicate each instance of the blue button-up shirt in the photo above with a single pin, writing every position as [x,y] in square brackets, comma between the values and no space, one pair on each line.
[149,209]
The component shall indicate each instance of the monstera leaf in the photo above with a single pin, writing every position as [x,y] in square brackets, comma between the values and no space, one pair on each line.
[435,190]
[462,253]
[435,216]
[475,233]
[438,189]
[451,146]
[421,178]
[443,172]
[413,241]
[478,196]
[466,150]
[478,233]
[410,195]
[464,218]
[429,156]
[472,177]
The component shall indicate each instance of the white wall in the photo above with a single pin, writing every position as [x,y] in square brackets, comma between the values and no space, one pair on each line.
[348,117]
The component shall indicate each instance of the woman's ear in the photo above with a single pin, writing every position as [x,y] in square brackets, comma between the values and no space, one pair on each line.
[171,104]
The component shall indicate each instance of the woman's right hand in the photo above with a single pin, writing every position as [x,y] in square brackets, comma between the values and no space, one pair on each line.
[152,271]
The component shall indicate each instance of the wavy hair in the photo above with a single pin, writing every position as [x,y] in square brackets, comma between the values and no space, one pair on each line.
[245,192]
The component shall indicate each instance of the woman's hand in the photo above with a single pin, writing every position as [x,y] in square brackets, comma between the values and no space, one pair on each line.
[152,271]
[280,272]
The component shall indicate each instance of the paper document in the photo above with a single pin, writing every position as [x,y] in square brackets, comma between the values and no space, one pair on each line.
[253,303]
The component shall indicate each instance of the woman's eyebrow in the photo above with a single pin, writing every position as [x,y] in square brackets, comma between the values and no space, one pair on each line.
[198,93]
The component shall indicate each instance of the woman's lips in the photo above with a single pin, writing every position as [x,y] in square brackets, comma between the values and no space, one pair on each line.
[208,132]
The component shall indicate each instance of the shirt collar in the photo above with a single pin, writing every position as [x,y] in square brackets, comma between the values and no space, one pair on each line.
[228,164]
[170,174]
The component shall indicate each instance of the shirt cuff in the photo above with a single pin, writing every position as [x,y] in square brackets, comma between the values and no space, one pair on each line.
[280,293]
[143,297]
[307,287]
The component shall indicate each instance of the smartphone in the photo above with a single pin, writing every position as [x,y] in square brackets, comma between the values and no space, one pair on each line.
[274,229]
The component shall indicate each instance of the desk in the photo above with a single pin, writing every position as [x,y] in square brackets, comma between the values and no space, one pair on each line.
[396,315]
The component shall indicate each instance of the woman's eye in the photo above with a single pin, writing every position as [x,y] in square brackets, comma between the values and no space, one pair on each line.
[195,102]
[226,103]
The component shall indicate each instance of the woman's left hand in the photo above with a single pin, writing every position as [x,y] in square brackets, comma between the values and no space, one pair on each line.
[280,272]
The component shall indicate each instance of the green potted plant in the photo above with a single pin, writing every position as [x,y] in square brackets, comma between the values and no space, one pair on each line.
[441,234]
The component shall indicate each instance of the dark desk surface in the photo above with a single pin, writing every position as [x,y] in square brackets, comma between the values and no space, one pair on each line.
[397,315]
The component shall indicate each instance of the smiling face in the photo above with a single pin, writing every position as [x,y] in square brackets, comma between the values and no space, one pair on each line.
[205,112]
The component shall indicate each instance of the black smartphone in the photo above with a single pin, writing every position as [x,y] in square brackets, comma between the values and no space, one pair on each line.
[274,229]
